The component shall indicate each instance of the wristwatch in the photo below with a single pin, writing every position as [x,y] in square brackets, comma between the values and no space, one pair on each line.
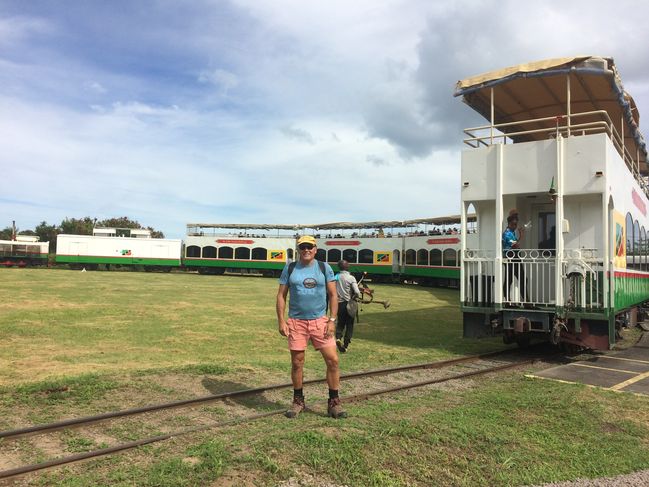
[332,319]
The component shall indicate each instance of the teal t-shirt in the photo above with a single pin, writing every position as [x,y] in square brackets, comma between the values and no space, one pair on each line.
[307,289]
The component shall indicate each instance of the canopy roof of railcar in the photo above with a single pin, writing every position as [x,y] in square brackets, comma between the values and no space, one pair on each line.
[441,220]
[538,89]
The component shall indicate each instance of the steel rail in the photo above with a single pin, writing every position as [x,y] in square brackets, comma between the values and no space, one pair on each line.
[146,441]
[86,420]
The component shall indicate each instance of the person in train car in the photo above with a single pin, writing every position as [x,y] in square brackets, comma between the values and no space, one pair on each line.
[309,282]
[347,290]
[511,239]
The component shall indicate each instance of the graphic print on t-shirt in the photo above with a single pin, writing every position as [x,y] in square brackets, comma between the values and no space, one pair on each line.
[309,283]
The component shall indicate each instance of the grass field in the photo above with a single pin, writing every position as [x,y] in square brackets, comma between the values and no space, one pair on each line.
[77,343]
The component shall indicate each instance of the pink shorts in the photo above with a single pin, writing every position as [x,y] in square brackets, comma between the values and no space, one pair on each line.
[300,331]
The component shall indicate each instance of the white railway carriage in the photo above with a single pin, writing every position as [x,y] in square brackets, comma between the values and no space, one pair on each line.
[376,256]
[562,147]
[24,251]
[106,248]
[213,248]
[395,250]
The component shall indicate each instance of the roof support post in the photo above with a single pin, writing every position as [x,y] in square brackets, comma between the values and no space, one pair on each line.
[568,101]
[463,230]
[608,231]
[491,90]
[498,269]
[559,225]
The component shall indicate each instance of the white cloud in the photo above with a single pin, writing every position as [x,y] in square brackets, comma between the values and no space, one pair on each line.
[234,110]
[96,87]
[222,79]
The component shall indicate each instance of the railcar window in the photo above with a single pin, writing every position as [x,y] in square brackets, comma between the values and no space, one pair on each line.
[422,257]
[321,255]
[629,240]
[242,253]
[636,245]
[366,256]
[450,257]
[350,255]
[289,252]
[209,252]
[193,251]
[334,255]
[225,252]
[260,253]
[435,257]
[411,257]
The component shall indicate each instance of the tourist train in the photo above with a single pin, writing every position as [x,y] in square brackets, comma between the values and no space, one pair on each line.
[425,251]
[563,150]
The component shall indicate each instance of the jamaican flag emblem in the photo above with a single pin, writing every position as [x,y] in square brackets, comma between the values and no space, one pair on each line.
[276,255]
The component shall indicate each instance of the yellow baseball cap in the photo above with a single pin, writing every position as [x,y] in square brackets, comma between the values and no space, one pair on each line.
[307,239]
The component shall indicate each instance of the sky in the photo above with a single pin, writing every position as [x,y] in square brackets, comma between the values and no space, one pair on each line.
[260,111]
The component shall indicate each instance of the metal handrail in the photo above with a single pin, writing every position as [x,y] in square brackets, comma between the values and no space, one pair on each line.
[601,126]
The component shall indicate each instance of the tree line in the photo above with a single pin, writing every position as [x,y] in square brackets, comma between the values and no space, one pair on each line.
[76,226]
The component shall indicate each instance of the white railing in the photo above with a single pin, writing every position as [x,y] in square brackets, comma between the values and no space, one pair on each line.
[478,277]
[582,123]
[529,278]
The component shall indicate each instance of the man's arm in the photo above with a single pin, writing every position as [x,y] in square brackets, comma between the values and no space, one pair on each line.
[333,306]
[354,286]
[280,308]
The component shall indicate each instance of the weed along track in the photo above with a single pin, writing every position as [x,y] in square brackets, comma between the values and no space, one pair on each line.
[358,386]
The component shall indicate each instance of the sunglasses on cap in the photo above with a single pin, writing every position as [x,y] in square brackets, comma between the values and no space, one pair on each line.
[305,246]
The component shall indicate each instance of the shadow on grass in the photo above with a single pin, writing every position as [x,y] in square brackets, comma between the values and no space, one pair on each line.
[253,401]
[423,329]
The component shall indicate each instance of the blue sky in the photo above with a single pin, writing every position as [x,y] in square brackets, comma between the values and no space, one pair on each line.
[282,111]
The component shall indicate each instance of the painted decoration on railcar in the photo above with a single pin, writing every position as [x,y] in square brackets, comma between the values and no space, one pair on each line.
[637,201]
[439,241]
[277,255]
[383,258]
[620,240]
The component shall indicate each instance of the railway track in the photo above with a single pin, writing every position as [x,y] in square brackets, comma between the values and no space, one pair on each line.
[399,379]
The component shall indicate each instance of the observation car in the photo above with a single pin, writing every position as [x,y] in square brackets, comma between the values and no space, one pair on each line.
[384,250]
[213,248]
[24,251]
[121,247]
[563,148]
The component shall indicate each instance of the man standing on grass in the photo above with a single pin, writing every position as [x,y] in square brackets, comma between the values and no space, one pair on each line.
[309,282]
[347,290]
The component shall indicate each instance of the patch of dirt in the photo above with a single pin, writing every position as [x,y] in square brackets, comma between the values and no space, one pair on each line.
[51,446]
[48,305]
[611,428]
[10,458]
[303,479]
[237,478]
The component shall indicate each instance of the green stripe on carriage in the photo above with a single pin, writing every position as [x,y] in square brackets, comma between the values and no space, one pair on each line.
[90,259]
[444,272]
[370,269]
[238,264]
[630,290]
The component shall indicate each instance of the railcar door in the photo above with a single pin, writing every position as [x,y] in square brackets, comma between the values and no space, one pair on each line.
[543,237]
